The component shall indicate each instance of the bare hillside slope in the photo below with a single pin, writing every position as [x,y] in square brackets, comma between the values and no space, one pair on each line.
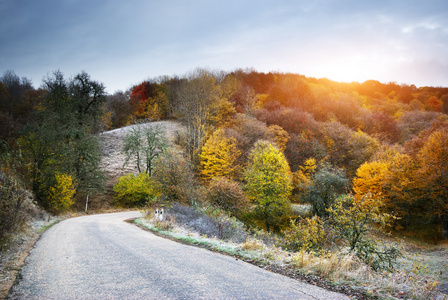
[113,159]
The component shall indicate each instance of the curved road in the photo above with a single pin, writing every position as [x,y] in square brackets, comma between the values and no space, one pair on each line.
[102,257]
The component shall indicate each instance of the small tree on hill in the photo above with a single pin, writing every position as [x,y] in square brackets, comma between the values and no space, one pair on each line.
[144,144]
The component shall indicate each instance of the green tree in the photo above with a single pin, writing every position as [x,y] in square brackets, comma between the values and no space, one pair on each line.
[268,184]
[60,137]
[327,184]
[144,144]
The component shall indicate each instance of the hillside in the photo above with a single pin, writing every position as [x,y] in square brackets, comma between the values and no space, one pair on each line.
[113,159]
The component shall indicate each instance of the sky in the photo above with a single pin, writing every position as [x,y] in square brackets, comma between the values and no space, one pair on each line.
[122,43]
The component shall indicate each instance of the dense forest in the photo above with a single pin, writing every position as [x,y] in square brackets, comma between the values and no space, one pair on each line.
[254,144]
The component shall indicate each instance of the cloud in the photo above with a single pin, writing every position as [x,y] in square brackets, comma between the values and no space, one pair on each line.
[125,42]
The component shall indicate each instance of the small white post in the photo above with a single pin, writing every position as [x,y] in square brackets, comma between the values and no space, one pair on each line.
[87,202]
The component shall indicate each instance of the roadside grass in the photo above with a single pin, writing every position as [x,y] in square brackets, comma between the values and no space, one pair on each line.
[417,275]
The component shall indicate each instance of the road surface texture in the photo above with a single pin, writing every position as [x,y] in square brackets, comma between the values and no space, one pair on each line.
[103,257]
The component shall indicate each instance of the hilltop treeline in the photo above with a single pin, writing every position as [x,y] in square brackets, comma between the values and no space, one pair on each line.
[383,144]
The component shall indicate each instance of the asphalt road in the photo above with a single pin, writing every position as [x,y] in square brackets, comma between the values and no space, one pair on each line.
[102,257]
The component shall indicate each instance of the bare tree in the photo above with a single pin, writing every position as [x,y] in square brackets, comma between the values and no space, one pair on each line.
[199,98]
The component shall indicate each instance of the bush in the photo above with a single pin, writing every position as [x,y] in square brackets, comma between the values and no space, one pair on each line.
[11,207]
[175,178]
[135,191]
[228,195]
[353,222]
[60,195]
[209,221]
[307,234]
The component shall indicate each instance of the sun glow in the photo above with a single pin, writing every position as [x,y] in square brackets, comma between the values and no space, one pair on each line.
[348,69]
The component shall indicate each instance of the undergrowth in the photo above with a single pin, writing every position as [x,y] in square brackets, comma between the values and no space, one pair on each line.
[416,281]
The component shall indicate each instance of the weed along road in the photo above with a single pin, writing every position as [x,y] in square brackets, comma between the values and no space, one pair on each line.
[103,257]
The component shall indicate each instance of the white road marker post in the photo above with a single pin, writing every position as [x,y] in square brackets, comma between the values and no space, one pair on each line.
[87,202]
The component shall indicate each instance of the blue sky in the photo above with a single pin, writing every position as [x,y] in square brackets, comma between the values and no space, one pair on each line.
[122,43]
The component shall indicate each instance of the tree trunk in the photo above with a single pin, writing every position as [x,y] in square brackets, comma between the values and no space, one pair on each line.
[444,227]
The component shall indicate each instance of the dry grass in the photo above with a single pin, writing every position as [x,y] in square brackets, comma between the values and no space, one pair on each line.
[414,279]
[251,244]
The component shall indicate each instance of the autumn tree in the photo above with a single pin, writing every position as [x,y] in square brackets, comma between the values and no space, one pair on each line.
[247,131]
[61,193]
[302,147]
[149,100]
[433,177]
[370,179]
[228,195]
[174,176]
[302,177]
[411,123]
[347,148]
[268,184]
[12,91]
[119,108]
[201,105]
[218,156]
[280,135]
[14,111]
[381,126]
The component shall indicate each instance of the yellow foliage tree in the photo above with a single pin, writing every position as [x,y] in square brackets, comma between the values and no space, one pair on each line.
[268,184]
[369,180]
[217,156]
[302,178]
[432,177]
[390,185]
[61,193]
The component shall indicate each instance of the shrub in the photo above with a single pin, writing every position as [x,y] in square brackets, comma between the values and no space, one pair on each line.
[175,178]
[209,221]
[307,234]
[228,195]
[60,195]
[354,221]
[135,191]
[11,207]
